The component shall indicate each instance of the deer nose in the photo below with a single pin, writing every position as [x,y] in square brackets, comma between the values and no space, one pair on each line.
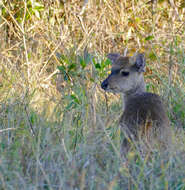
[104,84]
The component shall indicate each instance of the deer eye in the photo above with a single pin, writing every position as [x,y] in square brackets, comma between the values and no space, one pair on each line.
[124,73]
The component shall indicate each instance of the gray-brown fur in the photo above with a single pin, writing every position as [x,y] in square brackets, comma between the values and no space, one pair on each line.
[144,115]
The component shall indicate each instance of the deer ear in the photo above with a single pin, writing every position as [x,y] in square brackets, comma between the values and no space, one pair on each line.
[113,57]
[140,62]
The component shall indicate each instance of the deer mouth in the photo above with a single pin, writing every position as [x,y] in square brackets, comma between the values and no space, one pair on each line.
[112,90]
[105,86]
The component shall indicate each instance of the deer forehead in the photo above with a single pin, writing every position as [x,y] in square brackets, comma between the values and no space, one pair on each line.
[123,63]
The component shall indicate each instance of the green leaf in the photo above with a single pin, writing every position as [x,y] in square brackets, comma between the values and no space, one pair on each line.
[149,38]
[82,62]
[107,62]
[62,69]
[97,66]
[152,56]
[72,66]
[75,99]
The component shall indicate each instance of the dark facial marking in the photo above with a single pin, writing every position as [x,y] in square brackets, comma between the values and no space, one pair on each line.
[104,84]
[115,71]
[124,73]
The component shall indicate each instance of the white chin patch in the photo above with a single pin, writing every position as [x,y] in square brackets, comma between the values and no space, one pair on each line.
[112,90]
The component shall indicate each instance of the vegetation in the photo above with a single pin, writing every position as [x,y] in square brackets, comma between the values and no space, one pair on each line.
[58,129]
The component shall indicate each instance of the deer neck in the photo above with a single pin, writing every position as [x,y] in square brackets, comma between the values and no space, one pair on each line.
[139,89]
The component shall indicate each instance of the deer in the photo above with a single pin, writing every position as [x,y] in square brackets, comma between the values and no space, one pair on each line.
[144,117]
